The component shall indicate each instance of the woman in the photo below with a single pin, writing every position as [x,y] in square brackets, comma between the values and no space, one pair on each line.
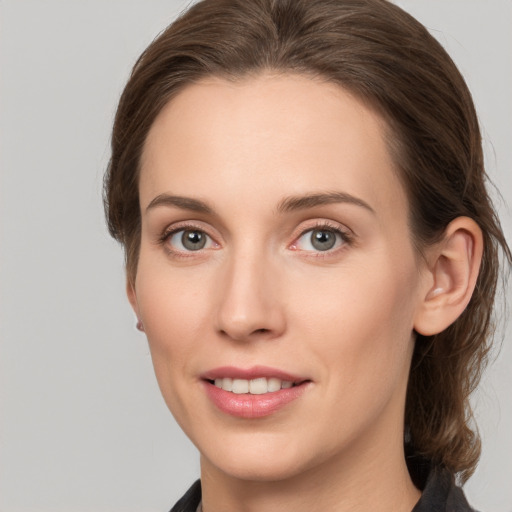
[311,252]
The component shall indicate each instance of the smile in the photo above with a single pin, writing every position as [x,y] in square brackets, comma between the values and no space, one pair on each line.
[258,386]
[252,393]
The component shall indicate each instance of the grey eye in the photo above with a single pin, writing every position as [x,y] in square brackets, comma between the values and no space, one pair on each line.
[187,240]
[323,240]
[193,240]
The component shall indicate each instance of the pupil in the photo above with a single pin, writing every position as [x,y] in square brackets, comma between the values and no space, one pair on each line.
[323,240]
[193,240]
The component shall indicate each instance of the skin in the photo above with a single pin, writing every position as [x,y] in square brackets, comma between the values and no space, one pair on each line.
[259,293]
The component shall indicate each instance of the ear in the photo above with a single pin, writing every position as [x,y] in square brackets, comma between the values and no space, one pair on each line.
[453,266]
[132,297]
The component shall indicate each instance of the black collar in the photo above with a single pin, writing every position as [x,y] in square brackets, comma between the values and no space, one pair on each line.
[439,492]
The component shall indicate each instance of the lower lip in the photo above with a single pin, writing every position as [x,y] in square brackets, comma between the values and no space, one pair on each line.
[252,406]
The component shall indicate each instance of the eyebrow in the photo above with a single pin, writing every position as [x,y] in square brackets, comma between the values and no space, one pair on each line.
[185,203]
[312,200]
[288,204]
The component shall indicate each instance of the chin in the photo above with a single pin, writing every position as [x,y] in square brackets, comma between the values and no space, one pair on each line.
[258,459]
[252,469]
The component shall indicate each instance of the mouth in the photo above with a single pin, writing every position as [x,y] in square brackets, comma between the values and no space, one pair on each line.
[258,386]
[252,393]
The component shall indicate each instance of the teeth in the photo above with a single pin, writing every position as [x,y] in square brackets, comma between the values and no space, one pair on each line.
[273,384]
[240,386]
[226,383]
[257,386]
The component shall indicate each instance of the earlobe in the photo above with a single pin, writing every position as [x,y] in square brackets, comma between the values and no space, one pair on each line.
[453,266]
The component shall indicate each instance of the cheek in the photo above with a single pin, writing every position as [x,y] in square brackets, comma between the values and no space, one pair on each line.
[362,321]
[173,313]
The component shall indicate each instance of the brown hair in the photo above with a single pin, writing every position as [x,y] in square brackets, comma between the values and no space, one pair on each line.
[389,60]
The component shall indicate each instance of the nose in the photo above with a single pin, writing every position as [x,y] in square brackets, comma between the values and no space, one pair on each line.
[250,305]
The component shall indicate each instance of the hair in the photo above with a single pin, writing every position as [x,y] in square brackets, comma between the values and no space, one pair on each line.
[390,62]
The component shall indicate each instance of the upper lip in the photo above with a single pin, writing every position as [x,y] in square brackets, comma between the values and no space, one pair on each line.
[253,372]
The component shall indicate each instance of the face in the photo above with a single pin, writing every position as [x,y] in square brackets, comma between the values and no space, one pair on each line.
[277,282]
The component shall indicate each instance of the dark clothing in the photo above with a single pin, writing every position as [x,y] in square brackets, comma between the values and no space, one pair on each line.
[440,494]
[190,500]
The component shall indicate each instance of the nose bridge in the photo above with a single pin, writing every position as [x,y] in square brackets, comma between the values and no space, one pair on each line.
[249,304]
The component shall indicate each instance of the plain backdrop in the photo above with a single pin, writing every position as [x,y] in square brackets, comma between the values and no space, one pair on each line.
[82,423]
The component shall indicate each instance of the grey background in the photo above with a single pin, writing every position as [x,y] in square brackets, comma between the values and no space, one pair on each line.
[82,423]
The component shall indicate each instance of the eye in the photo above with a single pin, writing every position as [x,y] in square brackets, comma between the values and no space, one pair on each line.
[320,239]
[186,240]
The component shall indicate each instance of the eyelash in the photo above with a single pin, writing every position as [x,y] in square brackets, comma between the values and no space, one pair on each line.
[347,239]
[169,232]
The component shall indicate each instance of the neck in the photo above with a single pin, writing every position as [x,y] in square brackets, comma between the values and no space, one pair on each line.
[338,485]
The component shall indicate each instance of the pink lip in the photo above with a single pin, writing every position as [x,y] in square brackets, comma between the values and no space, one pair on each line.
[252,406]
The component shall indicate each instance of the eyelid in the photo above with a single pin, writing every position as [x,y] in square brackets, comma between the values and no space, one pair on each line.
[184,225]
[188,225]
[346,234]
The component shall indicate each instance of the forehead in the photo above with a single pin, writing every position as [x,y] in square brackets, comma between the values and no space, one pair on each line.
[272,135]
